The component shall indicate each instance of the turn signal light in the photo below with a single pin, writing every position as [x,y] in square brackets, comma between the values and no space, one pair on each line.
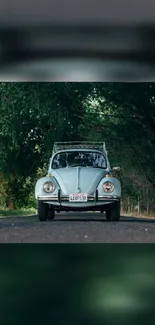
[49,175]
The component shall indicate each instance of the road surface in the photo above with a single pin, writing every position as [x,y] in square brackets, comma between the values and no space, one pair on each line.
[77,228]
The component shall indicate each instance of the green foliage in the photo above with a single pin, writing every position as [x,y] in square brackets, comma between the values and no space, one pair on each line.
[34,115]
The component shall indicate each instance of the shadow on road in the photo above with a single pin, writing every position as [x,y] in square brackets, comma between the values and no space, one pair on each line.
[75,217]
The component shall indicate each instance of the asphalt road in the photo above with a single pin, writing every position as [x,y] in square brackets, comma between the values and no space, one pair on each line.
[77,228]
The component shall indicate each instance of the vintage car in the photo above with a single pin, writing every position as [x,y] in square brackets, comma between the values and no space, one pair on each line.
[79,178]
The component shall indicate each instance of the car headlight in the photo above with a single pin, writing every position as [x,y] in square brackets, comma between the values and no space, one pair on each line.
[108,187]
[48,187]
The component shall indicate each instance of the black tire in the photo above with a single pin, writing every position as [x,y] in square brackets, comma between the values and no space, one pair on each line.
[113,212]
[51,214]
[42,211]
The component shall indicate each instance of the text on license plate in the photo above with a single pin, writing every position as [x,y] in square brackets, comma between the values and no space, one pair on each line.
[78,197]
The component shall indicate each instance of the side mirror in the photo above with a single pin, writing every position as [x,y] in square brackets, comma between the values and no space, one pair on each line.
[116,169]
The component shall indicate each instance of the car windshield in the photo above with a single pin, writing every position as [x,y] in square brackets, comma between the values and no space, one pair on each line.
[79,158]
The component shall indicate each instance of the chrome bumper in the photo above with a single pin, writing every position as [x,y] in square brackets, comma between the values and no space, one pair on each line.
[66,198]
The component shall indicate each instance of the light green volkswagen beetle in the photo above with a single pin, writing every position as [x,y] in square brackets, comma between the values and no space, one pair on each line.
[79,179]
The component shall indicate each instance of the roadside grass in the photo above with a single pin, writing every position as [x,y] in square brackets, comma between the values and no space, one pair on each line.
[19,212]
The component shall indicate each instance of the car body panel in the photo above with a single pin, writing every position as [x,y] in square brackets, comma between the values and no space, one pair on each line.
[79,179]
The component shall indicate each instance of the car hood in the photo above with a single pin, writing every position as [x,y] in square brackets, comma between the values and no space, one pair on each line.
[78,179]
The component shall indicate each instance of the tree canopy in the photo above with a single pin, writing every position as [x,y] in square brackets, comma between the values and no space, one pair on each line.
[35,115]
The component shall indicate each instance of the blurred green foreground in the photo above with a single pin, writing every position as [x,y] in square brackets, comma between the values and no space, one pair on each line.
[77,284]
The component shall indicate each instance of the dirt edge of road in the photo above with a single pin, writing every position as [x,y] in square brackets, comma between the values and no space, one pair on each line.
[18,216]
[130,215]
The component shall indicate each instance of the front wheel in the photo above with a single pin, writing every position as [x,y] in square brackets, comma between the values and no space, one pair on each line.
[42,211]
[51,213]
[113,212]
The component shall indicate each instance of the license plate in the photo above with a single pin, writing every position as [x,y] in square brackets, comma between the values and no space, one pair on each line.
[78,197]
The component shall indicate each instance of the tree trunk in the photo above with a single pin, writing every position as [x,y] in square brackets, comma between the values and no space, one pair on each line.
[10,192]
[138,210]
[129,208]
[147,198]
